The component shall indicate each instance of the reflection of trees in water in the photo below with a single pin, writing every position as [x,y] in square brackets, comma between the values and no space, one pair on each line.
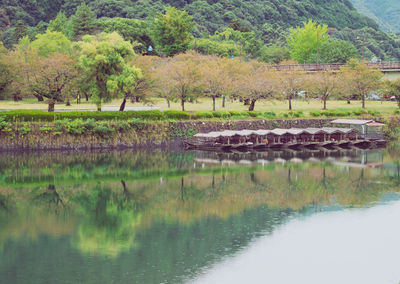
[109,215]
[109,220]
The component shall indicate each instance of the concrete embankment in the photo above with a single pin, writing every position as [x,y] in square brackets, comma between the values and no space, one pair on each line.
[155,134]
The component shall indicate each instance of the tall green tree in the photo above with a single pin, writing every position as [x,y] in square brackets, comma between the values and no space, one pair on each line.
[19,32]
[51,42]
[303,41]
[83,22]
[103,64]
[337,51]
[61,24]
[172,31]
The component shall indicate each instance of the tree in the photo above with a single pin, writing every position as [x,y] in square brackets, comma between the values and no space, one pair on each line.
[6,74]
[172,31]
[61,24]
[274,54]
[290,83]
[20,31]
[51,42]
[392,89]
[323,85]
[83,22]
[303,41]
[182,77]
[103,58]
[360,80]
[135,31]
[124,83]
[216,78]
[337,51]
[255,82]
[51,77]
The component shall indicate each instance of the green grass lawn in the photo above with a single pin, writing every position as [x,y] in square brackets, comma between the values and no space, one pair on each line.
[386,108]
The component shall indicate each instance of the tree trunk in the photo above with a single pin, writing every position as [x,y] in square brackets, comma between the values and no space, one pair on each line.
[213,98]
[78,99]
[252,104]
[183,104]
[68,103]
[122,107]
[348,102]
[324,102]
[290,103]
[87,97]
[133,99]
[168,103]
[246,102]
[223,101]
[363,101]
[39,98]
[51,106]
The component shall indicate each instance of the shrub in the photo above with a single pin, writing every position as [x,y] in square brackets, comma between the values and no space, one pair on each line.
[397,111]
[221,114]
[202,115]
[176,114]
[254,113]
[269,114]
[315,113]
[35,115]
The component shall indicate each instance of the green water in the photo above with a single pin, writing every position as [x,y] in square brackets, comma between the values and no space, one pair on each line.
[168,217]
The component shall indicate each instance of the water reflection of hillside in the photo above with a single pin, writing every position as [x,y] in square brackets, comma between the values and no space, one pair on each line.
[168,215]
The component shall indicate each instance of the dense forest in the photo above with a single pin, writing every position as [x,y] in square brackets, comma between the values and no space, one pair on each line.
[270,20]
[384,12]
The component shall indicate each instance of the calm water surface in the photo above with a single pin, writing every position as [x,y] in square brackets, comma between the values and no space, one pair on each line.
[197,217]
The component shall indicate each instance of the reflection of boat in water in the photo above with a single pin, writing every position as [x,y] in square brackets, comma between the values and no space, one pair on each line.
[340,157]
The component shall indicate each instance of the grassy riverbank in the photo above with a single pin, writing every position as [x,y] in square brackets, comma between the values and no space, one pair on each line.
[31,130]
[385,108]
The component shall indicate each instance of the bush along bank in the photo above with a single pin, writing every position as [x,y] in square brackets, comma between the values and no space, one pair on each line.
[96,134]
[156,115]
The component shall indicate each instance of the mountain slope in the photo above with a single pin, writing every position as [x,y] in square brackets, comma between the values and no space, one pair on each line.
[384,12]
[269,19]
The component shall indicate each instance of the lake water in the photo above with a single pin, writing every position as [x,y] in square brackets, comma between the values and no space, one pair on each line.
[199,217]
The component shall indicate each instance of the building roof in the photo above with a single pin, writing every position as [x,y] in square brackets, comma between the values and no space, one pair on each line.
[351,121]
[277,131]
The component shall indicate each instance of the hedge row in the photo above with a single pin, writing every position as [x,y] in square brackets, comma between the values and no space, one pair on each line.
[343,113]
[36,115]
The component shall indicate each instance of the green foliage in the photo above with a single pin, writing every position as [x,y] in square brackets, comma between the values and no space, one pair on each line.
[294,114]
[384,12]
[135,31]
[303,41]
[269,114]
[182,132]
[32,115]
[176,114]
[61,24]
[104,68]
[337,51]
[220,48]
[83,22]
[172,31]
[201,115]
[4,124]
[51,42]
[274,54]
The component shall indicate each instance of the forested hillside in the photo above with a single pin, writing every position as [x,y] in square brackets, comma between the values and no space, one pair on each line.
[269,19]
[385,12]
